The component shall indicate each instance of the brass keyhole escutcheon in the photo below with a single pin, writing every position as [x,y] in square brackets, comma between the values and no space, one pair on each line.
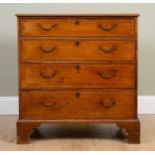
[77,43]
[77,94]
[77,22]
[77,67]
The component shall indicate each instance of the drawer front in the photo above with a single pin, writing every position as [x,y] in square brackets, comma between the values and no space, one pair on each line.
[81,49]
[77,27]
[51,76]
[107,104]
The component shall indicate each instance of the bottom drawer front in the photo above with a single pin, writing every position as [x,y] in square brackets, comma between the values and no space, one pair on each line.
[107,104]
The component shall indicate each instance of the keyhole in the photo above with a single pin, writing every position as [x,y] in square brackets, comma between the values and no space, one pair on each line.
[77,68]
[77,43]
[77,94]
[77,22]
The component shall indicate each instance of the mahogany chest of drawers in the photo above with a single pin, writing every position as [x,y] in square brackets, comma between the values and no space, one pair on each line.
[77,69]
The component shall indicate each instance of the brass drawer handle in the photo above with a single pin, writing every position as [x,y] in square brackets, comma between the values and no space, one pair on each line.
[49,104]
[108,74]
[108,50]
[48,50]
[108,103]
[104,28]
[48,76]
[45,28]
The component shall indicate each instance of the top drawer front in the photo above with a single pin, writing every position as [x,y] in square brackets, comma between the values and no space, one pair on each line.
[77,27]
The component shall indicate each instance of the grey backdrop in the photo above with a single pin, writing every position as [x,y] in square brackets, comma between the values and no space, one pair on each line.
[8,38]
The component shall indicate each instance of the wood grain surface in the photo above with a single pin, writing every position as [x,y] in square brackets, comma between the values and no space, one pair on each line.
[77,27]
[77,50]
[78,69]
